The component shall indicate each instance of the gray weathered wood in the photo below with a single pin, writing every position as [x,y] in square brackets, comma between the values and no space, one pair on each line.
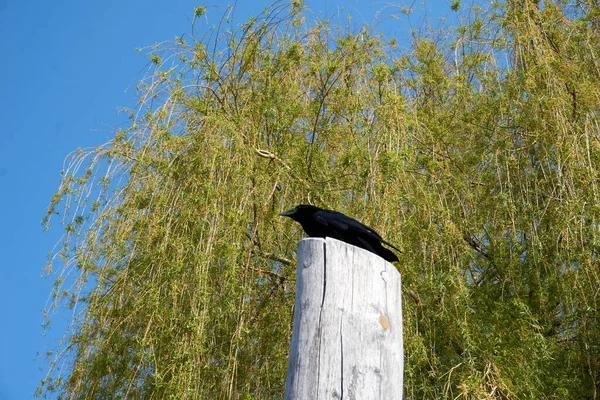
[347,336]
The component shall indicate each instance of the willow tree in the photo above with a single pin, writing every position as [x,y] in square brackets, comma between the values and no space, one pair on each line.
[475,148]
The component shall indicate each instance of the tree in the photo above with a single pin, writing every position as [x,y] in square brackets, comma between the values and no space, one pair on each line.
[476,149]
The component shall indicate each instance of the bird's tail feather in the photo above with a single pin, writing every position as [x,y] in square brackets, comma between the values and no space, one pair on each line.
[391,245]
[387,254]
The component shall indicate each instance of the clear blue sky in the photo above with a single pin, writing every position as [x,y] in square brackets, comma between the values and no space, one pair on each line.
[66,67]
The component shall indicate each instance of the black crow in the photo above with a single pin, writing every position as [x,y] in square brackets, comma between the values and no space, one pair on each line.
[318,222]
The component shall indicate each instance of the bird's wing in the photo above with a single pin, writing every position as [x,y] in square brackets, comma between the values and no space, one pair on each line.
[337,220]
[344,223]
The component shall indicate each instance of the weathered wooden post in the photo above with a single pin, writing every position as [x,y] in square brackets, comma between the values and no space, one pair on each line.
[347,337]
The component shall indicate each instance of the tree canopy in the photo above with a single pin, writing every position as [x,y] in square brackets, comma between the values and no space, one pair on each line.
[475,148]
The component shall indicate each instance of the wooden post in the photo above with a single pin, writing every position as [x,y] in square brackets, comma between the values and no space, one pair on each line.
[347,337]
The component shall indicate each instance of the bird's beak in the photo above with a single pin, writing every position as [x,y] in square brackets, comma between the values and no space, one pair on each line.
[287,213]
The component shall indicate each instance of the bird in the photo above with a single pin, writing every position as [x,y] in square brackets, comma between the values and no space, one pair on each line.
[319,222]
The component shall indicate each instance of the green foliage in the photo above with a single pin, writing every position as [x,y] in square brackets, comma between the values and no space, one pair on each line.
[477,153]
[199,11]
